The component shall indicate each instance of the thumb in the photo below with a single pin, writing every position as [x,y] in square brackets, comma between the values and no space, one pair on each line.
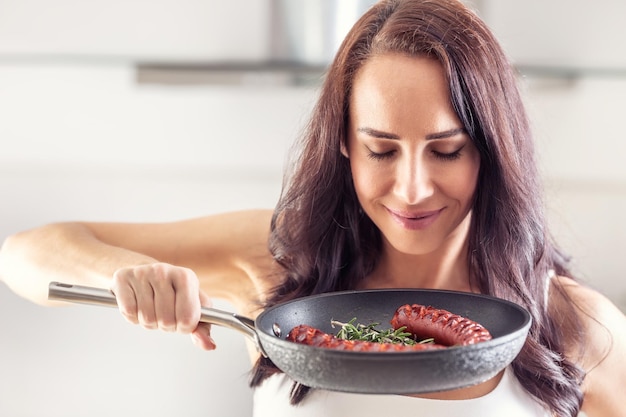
[201,336]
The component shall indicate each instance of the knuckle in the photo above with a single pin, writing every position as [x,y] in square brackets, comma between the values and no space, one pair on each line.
[159,270]
[185,277]
[147,320]
[167,324]
[129,313]
[187,324]
[121,277]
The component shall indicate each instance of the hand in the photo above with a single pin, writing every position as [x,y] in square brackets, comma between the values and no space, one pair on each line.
[163,296]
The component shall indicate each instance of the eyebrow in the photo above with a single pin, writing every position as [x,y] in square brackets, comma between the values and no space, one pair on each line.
[432,136]
[377,133]
[445,133]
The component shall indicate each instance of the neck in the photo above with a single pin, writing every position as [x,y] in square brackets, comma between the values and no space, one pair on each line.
[445,268]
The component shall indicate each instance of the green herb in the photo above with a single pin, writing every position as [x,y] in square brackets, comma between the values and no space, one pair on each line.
[356,331]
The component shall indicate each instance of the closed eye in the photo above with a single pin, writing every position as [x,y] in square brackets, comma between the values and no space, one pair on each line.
[379,156]
[451,156]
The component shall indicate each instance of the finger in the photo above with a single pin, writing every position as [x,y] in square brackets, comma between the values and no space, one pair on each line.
[164,305]
[205,300]
[144,294]
[125,296]
[201,337]
[188,305]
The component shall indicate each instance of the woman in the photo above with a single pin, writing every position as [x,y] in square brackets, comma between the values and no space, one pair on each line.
[417,170]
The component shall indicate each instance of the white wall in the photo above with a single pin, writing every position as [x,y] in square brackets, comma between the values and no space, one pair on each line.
[137,29]
[580,143]
[87,143]
[561,33]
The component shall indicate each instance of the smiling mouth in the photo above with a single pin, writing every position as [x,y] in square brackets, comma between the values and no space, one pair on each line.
[414,215]
[418,217]
[415,221]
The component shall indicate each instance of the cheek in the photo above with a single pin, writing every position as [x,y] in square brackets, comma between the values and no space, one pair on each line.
[463,183]
[368,183]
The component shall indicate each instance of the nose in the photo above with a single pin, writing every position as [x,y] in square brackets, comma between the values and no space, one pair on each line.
[413,181]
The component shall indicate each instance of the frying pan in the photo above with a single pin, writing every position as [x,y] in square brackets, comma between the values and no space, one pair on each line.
[367,372]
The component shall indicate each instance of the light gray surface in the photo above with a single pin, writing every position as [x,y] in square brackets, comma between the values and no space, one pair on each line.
[84,360]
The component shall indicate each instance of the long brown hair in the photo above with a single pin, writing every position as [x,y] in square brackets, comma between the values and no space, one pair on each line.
[325,242]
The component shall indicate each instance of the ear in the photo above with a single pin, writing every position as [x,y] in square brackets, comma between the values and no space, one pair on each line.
[344,150]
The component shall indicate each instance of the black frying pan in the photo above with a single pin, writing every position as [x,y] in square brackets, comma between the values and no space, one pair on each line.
[368,372]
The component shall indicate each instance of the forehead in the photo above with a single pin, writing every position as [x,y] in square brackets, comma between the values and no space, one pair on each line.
[418,66]
[392,89]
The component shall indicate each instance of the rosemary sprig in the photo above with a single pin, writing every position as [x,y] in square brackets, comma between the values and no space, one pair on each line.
[357,331]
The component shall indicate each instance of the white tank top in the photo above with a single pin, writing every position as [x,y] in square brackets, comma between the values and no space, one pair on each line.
[508,399]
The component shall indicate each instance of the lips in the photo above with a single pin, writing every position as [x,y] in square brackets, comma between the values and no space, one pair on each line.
[415,220]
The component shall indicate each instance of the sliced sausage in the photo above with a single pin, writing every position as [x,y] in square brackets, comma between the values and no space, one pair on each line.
[314,337]
[445,327]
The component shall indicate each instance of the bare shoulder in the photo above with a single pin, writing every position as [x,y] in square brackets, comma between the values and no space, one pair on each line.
[601,350]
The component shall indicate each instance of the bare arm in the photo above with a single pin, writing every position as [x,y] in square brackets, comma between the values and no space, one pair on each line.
[603,352]
[159,272]
[224,251]
[67,252]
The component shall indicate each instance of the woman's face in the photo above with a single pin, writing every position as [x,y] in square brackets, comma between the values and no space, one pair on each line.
[413,165]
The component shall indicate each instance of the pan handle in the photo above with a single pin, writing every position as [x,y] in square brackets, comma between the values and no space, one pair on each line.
[98,296]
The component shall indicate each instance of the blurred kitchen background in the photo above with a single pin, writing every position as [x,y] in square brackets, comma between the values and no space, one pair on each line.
[158,110]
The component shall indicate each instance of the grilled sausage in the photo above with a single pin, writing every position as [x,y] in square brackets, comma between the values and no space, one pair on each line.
[445,327]
[314,337]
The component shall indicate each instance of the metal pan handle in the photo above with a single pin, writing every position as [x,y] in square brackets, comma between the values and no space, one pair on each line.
[101,297]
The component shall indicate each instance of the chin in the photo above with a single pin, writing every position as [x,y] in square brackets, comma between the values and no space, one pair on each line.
[413,247]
